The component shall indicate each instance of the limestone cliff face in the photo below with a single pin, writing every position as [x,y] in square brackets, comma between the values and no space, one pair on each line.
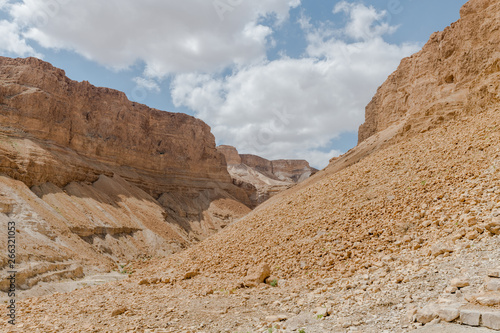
[293,171]
[456,72]
[231,154]
[261,178]
[296,170]
[92,178]
[165,149]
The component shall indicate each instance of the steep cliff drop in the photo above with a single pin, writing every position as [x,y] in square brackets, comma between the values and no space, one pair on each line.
[92,179]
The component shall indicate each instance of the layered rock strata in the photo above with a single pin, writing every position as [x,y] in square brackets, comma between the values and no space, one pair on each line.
[261,178]
[93,178]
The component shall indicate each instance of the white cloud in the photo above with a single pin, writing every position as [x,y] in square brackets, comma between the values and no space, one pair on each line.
[168,36]
[293,108]
[11,41]
[287,108]
[365,22]
[147,84]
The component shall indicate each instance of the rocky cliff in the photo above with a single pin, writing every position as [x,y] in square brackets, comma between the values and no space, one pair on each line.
[260,178]
[456,72]
[91,177]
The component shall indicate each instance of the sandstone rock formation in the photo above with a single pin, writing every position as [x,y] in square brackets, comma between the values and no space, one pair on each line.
[365,243]
[456,73]
[260,178]
[92,178]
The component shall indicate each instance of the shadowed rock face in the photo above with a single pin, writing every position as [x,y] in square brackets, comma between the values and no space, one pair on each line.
[93,177]
[261,178]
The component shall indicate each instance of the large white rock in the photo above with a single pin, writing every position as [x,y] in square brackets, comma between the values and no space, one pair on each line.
[491,320]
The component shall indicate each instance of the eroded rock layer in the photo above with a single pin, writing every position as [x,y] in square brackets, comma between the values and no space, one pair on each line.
[456,72]
[91,178]
[261,178]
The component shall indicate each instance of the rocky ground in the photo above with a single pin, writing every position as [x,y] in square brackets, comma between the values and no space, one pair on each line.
[357,250]
[378,299]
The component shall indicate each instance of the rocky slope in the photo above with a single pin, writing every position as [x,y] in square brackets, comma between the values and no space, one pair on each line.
[260,178]
[360,246]
[91,178]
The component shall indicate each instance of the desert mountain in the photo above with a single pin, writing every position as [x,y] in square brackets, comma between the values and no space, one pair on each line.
[260,178]
[409,216]
[91,178]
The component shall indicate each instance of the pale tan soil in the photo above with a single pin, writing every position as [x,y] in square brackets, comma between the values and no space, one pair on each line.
[66,286]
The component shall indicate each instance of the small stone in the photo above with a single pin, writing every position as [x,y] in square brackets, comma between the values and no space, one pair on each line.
[493,227]
[472,235]
[323,312]
[257,275]
[439,249]
[275,319]
[272,281]
[460,283]
[144,282]
[489,300]
[118,312]
[191,274]
[492,285]
[470,317]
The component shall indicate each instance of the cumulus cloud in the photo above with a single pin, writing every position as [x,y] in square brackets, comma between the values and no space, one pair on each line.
[147,84]
[365,22]
[168,36]
[11,39]
[293,108]
[285,108]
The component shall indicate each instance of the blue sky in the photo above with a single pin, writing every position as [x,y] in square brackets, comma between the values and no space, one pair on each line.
[277,78]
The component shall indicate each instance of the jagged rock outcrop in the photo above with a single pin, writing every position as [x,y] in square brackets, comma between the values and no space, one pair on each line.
[93,178]
[261,178]
[456,72]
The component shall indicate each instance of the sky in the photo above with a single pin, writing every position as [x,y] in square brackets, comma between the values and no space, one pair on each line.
[283,79]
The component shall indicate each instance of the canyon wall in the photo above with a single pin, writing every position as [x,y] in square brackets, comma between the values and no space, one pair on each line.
[261,178]
[456,72]
[92,179]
